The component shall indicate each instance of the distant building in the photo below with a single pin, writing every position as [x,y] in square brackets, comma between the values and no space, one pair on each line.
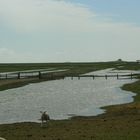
[119,60]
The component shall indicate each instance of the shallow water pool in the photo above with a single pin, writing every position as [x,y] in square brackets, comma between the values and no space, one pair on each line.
[62,98]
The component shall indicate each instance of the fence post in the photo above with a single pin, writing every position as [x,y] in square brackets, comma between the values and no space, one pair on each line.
[39,75]
[117,76]
[93,77]
[131,76]
[18,75]
[106,77]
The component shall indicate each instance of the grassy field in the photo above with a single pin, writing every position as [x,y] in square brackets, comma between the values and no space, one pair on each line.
[120,122]
[32,66]
[71,66]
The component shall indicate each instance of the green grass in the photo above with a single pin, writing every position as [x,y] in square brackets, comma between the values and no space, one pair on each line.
[81,66]
[72,66]
[134,87]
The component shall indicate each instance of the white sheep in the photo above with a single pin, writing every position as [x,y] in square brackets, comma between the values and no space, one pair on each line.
[44,117]
[2,138]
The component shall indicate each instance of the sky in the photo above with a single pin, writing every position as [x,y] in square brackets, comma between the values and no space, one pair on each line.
[69,30]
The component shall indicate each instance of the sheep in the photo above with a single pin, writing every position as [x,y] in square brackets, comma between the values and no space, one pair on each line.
[44,117]
[2,138]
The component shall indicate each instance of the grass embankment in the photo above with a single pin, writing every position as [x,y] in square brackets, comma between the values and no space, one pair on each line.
[72,66]
[120,122]
[134,87]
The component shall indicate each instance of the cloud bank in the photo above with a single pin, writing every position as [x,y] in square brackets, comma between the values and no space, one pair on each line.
[52,31]
[37,15]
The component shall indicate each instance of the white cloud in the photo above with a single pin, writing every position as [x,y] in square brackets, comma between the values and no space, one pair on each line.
[44,14]
[56,16]
[6,51]
[12,56]
[67,31]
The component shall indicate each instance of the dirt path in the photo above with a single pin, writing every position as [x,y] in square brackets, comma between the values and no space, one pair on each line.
[13,81]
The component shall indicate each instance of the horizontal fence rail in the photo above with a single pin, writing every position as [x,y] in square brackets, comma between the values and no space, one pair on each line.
[61,74]
[31,74]
[117,76]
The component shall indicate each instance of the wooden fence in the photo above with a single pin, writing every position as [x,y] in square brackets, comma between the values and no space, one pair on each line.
[117,76]
[60,75]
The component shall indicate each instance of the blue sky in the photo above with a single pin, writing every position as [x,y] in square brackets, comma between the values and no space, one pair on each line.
[123,10]
[69,30]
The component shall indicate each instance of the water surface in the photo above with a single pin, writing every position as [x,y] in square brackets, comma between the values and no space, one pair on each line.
[62,98]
